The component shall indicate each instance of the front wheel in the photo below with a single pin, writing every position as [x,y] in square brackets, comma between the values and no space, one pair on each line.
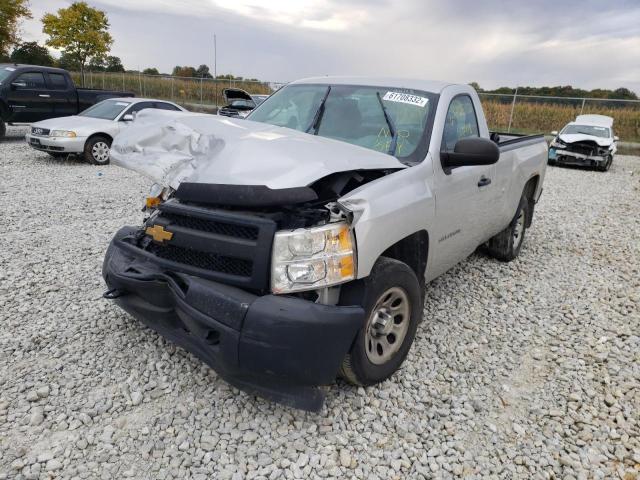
[607,164]
[392,302]
[506,245]
[96,150]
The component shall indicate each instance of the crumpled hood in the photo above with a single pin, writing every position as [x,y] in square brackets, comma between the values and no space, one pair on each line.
[580,137]
[73,122]
[173,147]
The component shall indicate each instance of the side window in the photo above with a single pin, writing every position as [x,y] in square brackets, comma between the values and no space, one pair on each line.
[57,81]
[461,122]
[135,108]
[30,81]
[166,106]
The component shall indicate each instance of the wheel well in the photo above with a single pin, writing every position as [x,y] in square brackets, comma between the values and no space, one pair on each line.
[99,134]
[529,192]
[412,250]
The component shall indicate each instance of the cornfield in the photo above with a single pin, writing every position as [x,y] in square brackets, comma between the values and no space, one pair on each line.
[530,114]
[540,115]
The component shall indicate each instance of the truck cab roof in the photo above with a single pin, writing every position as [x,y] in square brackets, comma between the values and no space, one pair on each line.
[23,66]
[433,86]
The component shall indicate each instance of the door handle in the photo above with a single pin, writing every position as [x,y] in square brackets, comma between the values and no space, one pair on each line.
[44,96]
[484,181]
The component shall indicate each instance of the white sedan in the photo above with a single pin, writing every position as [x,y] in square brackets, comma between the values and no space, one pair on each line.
[91,132]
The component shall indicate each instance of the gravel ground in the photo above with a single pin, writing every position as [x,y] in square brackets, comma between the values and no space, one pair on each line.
[522,370]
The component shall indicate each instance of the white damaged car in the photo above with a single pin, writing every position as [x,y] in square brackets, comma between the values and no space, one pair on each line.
[588,141]
[91,132]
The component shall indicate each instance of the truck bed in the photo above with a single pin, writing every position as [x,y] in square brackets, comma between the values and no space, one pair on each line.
[509,141]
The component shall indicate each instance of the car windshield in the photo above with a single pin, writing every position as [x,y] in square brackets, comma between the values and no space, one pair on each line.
[107,109]
[5,72]
[602,132]
[353,114]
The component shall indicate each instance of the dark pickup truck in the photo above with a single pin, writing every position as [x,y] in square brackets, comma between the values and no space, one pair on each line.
[30,93]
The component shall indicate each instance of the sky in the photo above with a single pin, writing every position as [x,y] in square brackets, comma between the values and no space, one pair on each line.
[584,43]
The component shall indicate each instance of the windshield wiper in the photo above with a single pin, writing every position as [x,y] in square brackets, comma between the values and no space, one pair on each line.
[315,123]
[392,128]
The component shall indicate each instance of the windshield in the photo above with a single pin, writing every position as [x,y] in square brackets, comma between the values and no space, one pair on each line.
[107,109]
[5,72]
[353,114]
[602,132]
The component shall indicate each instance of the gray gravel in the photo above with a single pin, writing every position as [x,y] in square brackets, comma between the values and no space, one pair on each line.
[522,370]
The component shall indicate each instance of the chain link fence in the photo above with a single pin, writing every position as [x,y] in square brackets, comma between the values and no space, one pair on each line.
[538,114]
[199,94]
[504,112]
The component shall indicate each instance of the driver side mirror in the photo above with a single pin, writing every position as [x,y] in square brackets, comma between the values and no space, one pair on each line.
[470,151]
[128,118]
[15,85]
[554,133]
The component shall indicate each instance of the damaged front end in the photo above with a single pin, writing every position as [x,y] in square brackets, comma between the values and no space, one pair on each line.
[583,153]
[244,276]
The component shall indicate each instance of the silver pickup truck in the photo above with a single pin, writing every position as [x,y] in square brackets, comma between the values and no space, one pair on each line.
[295,246]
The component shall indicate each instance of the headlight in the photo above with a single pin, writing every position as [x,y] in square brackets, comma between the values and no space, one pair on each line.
[557,143]
[62,133]
[310,258]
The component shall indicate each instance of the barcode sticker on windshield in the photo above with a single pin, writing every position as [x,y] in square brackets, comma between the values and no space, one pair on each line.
[405,98]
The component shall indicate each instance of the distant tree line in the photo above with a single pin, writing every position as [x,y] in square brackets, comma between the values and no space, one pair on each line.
[564,91]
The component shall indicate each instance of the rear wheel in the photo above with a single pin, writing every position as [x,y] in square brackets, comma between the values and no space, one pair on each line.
[392,302]
[96,150]
[506,245]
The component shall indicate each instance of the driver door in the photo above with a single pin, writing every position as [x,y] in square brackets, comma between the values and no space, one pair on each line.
[463,195]
[28,98]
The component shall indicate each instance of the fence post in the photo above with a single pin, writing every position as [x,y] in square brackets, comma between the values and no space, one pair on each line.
[123,81]
[513,105]
[140,83]
[201,79]
[582,108]
[172,79]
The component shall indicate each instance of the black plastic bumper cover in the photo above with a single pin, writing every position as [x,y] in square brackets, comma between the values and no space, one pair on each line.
[278,347]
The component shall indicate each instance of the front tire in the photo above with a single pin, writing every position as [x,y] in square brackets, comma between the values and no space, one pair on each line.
[506,245]
[392,302]
[96,150]
[607,164]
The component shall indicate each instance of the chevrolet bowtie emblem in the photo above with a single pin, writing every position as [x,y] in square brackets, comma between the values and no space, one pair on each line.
[158,233]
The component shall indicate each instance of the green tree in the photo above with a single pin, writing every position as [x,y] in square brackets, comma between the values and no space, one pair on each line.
[68,62]
[476,86]
[179,71]
[11,13]
[33,54]
[81,31]
[113,64]
[203,72]
[96,64]
[151,71]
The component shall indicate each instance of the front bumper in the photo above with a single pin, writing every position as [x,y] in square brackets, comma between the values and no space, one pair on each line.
[56,144]
[279,347]
[566,157]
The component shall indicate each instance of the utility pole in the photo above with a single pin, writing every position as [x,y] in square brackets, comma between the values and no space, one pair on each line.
[215,67]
